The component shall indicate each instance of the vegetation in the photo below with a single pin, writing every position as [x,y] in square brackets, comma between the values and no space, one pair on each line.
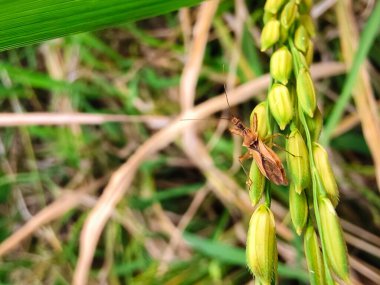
[116,165]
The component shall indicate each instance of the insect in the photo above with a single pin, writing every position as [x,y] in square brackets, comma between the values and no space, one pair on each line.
[266,159]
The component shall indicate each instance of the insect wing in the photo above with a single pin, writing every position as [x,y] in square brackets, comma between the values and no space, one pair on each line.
[274,173]
[272,165]
[259,161]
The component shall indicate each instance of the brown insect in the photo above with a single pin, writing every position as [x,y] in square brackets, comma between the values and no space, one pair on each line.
[266,159]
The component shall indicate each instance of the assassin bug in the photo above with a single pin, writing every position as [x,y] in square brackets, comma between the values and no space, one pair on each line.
[266,159]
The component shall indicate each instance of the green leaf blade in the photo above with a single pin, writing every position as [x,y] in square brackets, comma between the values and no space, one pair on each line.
[25,22]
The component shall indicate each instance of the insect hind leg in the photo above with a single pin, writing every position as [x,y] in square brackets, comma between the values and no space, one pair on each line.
[266,139]
[278,146]
[281,148]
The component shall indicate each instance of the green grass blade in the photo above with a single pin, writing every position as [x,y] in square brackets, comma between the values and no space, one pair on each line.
[25,22]
[368,36]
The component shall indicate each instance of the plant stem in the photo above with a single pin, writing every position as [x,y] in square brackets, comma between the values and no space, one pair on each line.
[314,175]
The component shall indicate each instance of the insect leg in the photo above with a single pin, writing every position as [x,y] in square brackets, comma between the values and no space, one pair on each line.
[275,136]
[281,148]
[241,159]
[278,146]
[236,131]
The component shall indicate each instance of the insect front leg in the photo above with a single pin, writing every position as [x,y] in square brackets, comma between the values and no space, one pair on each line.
[236,131]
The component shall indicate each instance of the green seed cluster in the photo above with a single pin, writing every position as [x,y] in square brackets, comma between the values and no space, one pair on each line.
[313,192]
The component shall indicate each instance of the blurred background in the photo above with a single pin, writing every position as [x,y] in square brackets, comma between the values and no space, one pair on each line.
[102,181]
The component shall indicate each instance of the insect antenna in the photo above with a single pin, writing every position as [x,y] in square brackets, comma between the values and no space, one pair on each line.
[230,113]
